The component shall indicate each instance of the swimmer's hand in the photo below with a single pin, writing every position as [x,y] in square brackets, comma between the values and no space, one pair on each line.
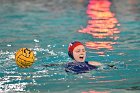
[112,66]
[94,63]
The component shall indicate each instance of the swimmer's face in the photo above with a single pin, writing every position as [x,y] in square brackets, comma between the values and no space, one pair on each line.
[79,53]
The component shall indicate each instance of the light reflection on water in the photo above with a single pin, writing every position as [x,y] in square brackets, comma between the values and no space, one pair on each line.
[101,24]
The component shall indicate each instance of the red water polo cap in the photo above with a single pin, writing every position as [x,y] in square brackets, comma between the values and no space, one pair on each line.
[73,45]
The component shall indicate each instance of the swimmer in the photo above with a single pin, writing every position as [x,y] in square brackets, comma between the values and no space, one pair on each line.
[77,52]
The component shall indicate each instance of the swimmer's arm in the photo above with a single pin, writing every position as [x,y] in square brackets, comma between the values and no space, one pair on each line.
[98,64]
[93,63]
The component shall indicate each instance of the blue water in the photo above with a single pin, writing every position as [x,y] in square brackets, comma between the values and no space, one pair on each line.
[48,26]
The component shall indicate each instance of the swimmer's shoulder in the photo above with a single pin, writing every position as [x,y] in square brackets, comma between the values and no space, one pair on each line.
[76,63]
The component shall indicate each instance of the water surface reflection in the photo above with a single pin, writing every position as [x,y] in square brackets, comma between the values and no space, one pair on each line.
[102,24]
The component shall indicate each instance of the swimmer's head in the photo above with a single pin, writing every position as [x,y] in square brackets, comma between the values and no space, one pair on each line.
[76,51]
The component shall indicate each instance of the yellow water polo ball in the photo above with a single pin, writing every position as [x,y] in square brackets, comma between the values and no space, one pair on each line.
[24,57]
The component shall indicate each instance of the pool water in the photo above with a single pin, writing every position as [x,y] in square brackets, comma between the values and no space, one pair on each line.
[108,28]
